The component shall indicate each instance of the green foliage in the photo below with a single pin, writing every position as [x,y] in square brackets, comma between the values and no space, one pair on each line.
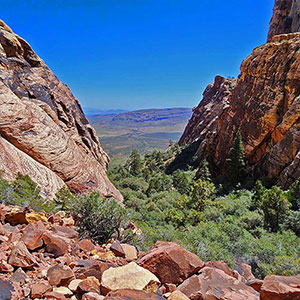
[134,164]
[203,171]
[236,161]
[274,204]
[294,195]
[99,219]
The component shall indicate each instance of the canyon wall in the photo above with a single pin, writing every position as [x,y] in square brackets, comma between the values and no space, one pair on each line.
[42,121]
[263,105]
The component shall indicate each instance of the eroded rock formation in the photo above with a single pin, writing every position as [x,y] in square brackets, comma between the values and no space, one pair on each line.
[285,18]
[263,105]
[40,118]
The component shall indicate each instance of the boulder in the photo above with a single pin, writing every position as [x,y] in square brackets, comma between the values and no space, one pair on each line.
[20,257]
[245,271]
[15,217]
[54,244]
[170,262]
[215,284]
[39,289]
[35,217]
[280,288]
[130,252]
[54,296]
[128,294]
[130,276]
[86,268]
[60,275]
[90,284]
[32,236]
[221,265]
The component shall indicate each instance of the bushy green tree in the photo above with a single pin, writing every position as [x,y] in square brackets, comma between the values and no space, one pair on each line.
[236,161]
[203,171]
[134,164]
[202,194]
[294,195]
[181,182]
[274,204]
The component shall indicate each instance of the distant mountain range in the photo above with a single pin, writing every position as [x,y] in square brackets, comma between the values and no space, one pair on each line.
[89,111]
[145,130]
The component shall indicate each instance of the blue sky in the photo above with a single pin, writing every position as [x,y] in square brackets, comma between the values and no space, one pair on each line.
[133,54]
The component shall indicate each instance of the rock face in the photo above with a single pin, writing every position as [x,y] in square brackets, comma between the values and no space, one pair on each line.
[263,105]
[43,126]
[285,18]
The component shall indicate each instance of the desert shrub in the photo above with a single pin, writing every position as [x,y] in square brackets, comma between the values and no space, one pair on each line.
[99,219]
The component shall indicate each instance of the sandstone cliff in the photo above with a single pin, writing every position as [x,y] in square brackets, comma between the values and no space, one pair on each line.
[43,123]
[264,106]
[285,18]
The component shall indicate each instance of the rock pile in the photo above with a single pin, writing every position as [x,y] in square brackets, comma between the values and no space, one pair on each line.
[41,257]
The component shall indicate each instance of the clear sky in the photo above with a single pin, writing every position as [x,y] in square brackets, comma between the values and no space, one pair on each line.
[133,54]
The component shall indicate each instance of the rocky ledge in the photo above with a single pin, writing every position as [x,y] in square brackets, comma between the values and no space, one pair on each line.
[41,257]
[43,130]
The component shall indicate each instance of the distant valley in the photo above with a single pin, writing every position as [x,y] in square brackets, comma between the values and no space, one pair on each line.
[144,130]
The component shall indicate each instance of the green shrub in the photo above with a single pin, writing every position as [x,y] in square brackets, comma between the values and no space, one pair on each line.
[99,219]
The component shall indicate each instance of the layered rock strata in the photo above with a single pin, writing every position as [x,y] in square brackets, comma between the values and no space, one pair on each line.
[41,118]
[263,105]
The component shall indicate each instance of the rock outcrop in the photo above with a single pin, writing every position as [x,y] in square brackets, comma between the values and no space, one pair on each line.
[82,269]
[43,126]
[263,105]
[285,18]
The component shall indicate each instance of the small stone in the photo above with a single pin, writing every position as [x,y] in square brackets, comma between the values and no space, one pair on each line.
[5,267]
[19,276]
[90,284]
[130,252]
[63,290]
[16,216]
[92,296]
[34,217]
[117,249]
[54,296]
[177,295]
[73,285]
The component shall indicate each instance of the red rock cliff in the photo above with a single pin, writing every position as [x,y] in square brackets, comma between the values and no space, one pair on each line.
[264,106]
[44,125]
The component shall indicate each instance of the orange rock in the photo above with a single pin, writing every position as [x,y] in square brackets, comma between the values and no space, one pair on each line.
[117,249]
[16,216]
[92,296]
[35,217]
[170,262]
[39,289]
[132,295]
[32,236]
[54,296]
[90,284]
[54,244]
[215,284]
[280,287]
[60,275]
[20,257]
